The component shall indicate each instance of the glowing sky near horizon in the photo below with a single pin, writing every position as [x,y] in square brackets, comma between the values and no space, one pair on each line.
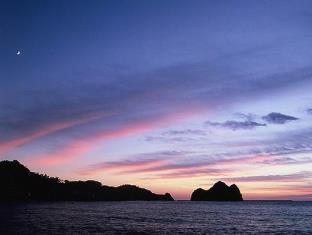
[168,95]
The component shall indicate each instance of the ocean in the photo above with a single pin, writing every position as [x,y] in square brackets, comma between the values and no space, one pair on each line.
[178,217]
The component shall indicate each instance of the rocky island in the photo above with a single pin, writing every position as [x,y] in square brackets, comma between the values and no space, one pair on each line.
[18,183]
[218,192]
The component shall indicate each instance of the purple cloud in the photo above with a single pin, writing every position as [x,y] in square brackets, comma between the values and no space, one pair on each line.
[236,125]
[272,178]
[278,118]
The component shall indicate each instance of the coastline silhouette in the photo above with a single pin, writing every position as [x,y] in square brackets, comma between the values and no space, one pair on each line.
[218,192]
[18,183]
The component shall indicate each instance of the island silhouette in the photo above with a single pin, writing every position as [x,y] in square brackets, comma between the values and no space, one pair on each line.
[218,192]
[18,183]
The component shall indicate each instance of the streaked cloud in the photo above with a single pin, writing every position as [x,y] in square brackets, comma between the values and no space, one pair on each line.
[236,125]
[44,131]
[131,98]
[78,146]
[185,132]
[272,178]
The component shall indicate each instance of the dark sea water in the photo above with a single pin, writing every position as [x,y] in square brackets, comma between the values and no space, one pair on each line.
[180,217]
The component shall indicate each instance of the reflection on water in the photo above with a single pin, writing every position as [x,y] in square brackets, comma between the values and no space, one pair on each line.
[180,217]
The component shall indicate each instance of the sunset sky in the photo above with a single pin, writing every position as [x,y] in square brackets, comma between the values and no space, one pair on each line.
[168,95]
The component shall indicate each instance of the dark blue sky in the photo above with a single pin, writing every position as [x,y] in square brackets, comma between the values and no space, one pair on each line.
[95,78]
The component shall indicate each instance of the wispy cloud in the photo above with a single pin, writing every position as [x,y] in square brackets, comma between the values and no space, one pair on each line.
[146,80]
[236,125]
[135,97]
[172,164]
[246,116]
[185,132]
[272,178]
[78,146]
[44,131]
[191,173]
[178,136]
[165,139]
[121,166]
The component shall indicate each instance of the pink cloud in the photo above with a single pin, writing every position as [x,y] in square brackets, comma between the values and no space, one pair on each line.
[187,169]
[80,146]
[168,168]
[46,130]
[122,166]
[192,173]
[297,177]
